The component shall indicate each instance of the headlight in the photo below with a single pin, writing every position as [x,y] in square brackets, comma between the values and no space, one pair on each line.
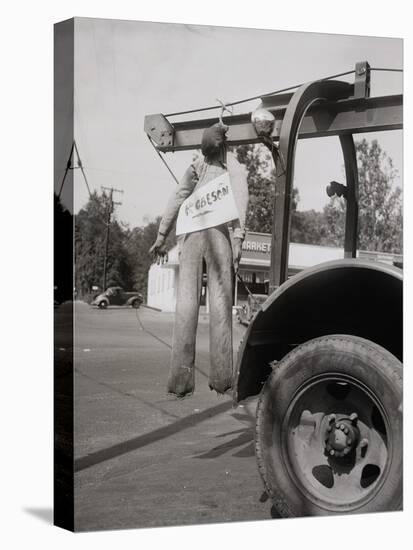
[263,122]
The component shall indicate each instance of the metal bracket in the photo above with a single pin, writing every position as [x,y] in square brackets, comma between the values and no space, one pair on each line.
[362,80]
[158,128]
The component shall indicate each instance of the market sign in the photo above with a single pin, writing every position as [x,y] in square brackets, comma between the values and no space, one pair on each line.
[256,246]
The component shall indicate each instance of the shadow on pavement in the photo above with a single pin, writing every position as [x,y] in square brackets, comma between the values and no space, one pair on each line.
[245,437]
[119,449]
[125,393]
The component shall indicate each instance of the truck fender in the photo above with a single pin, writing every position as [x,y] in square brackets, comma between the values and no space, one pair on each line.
[349,296]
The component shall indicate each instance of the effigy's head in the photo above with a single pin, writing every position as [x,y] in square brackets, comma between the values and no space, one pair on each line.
[213,140]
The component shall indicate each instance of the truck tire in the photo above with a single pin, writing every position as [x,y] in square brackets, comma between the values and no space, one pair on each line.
[329,434]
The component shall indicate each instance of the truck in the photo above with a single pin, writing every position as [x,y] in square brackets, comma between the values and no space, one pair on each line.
[324,351]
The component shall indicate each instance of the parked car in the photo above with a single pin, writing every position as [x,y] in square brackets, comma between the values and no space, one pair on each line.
[115,295]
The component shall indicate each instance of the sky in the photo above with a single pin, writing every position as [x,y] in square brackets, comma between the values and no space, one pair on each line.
[125,70]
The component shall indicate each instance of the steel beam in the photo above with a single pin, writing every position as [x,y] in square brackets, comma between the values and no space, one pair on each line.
[350,116]
[350,164]
[299,104]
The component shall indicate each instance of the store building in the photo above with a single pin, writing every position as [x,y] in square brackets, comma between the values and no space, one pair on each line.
[254,269]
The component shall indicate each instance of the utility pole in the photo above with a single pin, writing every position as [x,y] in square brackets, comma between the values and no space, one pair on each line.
[110,210]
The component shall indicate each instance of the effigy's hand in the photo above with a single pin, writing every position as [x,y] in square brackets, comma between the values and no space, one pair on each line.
[237,253]
[158,250]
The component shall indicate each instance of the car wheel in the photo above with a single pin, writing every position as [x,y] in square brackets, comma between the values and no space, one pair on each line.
[103,304]
[329,429]
[136,303]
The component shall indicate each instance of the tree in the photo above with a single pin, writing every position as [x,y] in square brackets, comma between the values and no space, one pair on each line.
[380,203]
[309,227]
[128,259]
[90,233]
[261,181]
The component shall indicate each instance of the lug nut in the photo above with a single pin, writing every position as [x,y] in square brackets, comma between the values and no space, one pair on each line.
[354,417]
[332,452]
[338,426]
[346,430]
[342,427]
[348,441]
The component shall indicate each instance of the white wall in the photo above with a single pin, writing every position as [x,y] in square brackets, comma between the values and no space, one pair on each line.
[162,282]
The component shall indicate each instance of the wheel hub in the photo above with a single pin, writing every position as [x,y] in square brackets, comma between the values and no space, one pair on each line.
[342,435]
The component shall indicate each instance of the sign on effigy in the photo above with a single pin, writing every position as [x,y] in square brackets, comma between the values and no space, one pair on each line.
[211,205]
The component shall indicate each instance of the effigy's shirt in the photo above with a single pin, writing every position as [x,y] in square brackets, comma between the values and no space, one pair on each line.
[198,176]
[211,205]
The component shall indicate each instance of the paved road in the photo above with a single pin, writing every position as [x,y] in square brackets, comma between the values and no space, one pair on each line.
[146,459]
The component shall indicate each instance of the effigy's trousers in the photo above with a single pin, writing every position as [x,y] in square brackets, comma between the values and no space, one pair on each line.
[214,246]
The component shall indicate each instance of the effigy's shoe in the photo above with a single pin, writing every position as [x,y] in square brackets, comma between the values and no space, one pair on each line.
[181,381]
[221,385]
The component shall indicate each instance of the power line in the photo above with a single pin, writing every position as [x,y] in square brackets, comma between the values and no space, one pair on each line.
[80,165]
[74,165]
[213,107]
[386,69]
